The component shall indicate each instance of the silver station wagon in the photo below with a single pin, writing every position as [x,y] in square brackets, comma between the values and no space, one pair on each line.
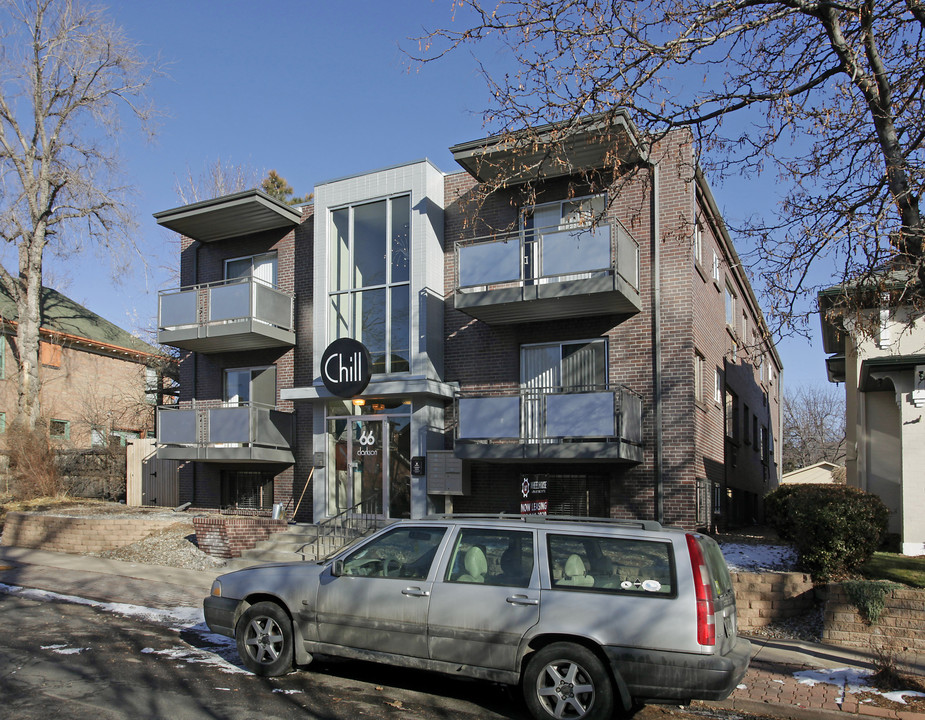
[589,617]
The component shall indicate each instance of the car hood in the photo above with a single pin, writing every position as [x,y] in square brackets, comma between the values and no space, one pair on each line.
[287,581]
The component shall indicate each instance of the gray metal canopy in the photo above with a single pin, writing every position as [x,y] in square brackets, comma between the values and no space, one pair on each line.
[243,213]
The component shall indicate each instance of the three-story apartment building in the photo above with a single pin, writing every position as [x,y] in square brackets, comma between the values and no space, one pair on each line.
[568,333]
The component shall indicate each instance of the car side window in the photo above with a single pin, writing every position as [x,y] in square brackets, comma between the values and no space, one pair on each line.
[406,552]
[492,557]
[617,565]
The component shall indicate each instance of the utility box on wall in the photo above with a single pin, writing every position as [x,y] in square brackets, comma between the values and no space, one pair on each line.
[446,474]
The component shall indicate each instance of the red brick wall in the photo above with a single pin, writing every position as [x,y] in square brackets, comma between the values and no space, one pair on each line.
[227,536]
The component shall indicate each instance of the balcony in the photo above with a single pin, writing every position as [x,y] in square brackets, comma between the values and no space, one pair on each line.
[549,273]
[550,424]
[238,314]
[219,432]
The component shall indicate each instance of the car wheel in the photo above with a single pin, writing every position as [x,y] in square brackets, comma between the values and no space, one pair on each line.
[565,681]
[264,638]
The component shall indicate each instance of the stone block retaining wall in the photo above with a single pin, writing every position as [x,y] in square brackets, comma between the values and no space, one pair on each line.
[76,534]
[900,630]
[227,536]
[762,598]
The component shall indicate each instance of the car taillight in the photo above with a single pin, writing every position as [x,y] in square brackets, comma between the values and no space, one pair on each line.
[706,627]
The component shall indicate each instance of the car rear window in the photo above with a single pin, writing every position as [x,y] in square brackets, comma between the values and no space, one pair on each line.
[616,565]
[719,571]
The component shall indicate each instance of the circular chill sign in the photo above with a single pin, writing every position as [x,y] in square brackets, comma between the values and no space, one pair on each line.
[346,367]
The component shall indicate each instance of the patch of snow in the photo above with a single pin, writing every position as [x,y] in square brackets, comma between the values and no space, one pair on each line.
[742,557]
[852,681]
[63,649]
[194,656]
[288,692]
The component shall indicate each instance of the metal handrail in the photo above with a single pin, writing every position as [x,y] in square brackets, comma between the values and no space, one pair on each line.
[348,524]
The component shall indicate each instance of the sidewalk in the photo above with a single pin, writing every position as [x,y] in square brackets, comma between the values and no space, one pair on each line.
[769,687]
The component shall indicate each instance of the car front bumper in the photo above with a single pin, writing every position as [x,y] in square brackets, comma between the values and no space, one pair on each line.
[220,614]
[652,675]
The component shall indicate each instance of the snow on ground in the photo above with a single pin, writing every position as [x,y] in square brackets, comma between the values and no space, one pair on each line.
[742,557]
[852,681]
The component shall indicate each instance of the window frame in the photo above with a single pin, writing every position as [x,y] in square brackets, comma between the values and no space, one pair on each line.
[270,253]
[65,436]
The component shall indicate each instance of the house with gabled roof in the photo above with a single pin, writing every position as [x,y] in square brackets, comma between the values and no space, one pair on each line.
[99,383]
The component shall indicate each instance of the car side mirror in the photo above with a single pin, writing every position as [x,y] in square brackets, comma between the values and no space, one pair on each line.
[337,569]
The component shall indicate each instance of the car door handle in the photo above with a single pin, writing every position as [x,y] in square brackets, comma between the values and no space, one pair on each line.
[522,600]
[415,592]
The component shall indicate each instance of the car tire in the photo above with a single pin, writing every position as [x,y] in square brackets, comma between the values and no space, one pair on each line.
[265,640]
[565,681]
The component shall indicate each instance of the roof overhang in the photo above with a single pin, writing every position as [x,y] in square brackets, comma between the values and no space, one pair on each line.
[835,368]
[876,371]
[243,213]
[552,150]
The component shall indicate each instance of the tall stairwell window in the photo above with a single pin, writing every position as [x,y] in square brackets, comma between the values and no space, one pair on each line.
[369,280]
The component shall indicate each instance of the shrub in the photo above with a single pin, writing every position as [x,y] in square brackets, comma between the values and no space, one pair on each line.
[32,465]
[834,528]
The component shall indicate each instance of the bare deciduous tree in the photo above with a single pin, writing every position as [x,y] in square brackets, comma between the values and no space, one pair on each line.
[217,179]
[814,427]
[67,77]
[828,95]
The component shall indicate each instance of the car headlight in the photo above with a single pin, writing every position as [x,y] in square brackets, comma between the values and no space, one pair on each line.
[216,589]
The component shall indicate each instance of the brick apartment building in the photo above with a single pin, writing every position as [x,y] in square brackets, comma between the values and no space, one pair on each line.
[537,342]
[98,383]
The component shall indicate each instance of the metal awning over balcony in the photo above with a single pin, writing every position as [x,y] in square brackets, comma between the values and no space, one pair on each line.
[553,150]
[549,273]
[550,424]
[236,215]
[239,314]
[216,432]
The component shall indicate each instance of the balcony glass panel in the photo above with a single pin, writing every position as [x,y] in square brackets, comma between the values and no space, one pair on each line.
[489,262]
[229,425]
[177,427]
[228,302]
[273,307]
[492,417]
[580,415]
[581,250]
[178,309]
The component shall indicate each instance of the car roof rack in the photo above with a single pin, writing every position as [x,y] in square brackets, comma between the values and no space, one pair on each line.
[652,525]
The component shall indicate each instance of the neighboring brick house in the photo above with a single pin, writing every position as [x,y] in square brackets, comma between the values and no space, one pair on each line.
[98,382]
[512,343]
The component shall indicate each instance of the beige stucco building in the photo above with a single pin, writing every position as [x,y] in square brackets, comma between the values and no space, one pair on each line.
[879,354]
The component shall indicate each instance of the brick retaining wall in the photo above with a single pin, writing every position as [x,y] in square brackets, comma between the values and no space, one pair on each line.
[762,598]
[227,536]
[76,534]
[900,629]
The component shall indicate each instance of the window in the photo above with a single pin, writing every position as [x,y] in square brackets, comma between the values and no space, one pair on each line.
[251,385]
[2,356]
[730,306]
[573,213]
[580,365]
[756,437]
[493,557]
[732,415]
[264,267]
[2,422]
[59,430]
[406,552]
[698,241]
[49,354]
[746,416]
[246,489]
[764,445]
[718,386]
[152,386]
[614,565]
[885,338]
[715,266]
[699,367]
[744,335]
[370,280]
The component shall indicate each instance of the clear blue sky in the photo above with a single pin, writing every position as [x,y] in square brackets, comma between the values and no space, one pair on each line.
[314,90]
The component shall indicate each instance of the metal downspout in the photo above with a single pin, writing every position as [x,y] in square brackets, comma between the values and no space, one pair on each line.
[657,344]
[195,354]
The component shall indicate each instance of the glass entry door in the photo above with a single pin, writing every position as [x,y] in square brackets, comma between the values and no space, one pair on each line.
[369,461]
[357,462]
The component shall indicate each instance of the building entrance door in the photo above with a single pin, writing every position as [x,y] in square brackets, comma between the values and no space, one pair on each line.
[369,461]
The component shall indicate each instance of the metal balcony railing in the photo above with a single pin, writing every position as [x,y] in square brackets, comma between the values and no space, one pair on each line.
[225,301]
[546,255]
[216,424]
[550,415]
